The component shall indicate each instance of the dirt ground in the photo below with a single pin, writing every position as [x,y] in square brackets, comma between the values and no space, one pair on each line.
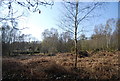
[100,66]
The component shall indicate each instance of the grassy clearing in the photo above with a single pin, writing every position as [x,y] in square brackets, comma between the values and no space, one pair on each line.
[102,65]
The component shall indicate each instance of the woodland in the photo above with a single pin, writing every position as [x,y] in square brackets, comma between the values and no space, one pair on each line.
[69,55]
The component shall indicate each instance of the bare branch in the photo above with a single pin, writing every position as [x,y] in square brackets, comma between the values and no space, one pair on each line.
[71,13]
[86,15]
[65,28]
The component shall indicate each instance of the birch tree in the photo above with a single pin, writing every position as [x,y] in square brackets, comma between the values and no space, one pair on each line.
[118,33]
[108,30]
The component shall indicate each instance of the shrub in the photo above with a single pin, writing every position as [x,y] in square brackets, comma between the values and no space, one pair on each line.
[83,54]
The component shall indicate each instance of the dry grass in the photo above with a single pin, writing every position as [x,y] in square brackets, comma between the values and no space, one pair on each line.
[103,65]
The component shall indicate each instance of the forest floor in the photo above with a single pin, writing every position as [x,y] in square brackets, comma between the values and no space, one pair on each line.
[100,65]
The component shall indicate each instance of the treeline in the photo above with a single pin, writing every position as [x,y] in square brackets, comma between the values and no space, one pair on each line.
[105,37]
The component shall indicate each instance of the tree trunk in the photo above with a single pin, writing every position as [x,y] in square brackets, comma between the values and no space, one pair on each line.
[76,53]
[76,27]
[107,41]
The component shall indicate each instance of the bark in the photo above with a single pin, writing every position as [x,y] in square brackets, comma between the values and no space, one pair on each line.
[76,27]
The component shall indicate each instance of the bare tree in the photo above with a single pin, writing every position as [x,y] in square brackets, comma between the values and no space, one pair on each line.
[50,40]
[74,15]
[108,31]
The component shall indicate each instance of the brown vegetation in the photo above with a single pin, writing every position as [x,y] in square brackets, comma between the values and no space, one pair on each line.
[102,65]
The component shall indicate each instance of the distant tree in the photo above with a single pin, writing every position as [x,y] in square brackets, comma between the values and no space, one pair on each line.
[108,31]
[118,33]
[114,40]
[9,35]
[83,37]
[104,35]
[65,42]
[66,36]
[50,40]
[82,42]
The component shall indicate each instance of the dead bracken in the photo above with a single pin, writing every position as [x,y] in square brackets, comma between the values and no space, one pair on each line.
[103,65]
